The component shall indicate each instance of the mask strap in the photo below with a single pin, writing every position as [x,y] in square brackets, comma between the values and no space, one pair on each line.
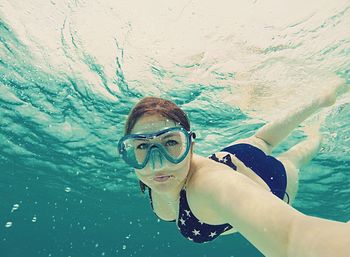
[193,135]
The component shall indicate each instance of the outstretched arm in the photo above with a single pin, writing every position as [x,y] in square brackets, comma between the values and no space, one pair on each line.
[272,226]
[273,133]
[315,237]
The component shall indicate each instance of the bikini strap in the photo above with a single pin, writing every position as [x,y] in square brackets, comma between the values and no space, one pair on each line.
[150,197]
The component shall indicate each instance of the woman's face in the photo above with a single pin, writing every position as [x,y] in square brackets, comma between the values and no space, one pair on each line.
[167,177]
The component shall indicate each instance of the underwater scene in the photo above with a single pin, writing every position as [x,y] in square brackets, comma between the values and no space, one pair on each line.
[71,71]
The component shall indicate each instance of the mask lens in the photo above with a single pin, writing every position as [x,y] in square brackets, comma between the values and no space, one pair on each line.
[135,151]
[174,143]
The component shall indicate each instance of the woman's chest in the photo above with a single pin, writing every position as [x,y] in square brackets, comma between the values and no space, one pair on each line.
[194,204]
[192,214]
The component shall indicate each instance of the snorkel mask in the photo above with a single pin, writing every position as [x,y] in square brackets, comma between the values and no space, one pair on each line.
[170,144]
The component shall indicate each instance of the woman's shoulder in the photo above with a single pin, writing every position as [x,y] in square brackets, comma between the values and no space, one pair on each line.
[204,178]
[207,172]
[202,171]
[212,184]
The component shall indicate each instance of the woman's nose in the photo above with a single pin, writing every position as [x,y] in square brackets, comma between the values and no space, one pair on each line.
[156,160]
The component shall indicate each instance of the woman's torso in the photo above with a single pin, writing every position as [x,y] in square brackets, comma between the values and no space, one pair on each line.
[201,166]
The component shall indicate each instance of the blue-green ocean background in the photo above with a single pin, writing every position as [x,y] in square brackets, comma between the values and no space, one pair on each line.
[70,71]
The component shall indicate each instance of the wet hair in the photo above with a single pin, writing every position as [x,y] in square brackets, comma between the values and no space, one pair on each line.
[156,106]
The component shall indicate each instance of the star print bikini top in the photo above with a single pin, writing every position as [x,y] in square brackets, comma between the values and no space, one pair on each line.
[267,167]
[191,227]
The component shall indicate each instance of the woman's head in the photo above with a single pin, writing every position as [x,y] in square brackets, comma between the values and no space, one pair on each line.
[150,115]
[158,106]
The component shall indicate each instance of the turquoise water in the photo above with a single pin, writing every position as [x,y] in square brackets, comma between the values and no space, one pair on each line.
[70,72]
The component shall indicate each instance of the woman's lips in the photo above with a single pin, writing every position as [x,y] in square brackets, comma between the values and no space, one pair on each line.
[162,178]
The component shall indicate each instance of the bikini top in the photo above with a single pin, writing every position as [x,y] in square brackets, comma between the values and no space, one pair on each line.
[191,227]
[194,229]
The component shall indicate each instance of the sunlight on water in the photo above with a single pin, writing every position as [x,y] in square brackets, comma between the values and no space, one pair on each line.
[71,70]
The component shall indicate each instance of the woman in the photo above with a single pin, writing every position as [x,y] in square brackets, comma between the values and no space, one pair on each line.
[207,198]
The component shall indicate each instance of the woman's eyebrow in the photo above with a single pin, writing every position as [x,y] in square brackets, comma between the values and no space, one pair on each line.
[171,135]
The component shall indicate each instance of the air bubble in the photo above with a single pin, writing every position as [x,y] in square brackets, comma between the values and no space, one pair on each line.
[15,207]
[8,224]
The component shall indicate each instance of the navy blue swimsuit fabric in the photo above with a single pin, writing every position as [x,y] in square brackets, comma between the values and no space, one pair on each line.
[267,167]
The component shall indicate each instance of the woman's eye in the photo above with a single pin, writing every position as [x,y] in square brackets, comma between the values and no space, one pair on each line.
[171,143]
[142,146]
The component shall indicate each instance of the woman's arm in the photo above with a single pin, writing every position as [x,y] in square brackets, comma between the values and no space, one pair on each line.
[262,218]
[274,132]
[271,225]
[316,237]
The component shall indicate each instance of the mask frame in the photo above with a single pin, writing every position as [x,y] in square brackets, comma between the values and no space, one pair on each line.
[128,155]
